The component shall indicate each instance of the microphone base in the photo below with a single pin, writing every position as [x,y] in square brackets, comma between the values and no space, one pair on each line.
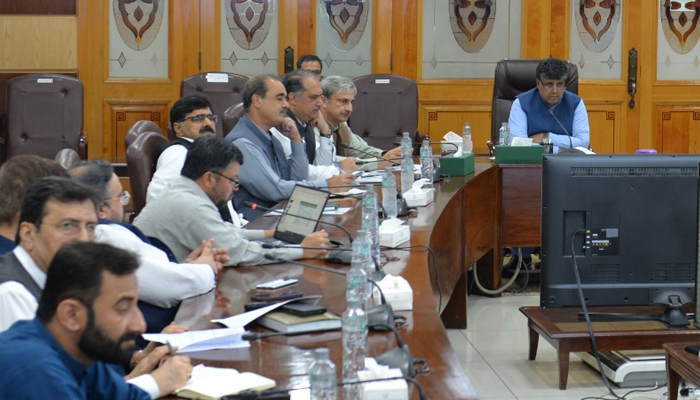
[400,358]
[380,318]
[570,151]
[341,255]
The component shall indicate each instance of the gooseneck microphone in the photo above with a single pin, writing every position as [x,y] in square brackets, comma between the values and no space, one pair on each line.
[571,149]
[254,206]
[380,317]
[347,146]
[398,143]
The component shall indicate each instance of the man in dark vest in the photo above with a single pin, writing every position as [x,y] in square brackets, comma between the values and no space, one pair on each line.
[549,111]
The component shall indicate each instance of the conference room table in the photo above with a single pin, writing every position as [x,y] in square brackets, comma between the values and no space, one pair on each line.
[459,226]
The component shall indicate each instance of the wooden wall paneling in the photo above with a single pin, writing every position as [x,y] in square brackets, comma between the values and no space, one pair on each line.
[288,35]
[306,29]
[605,120]
[38,43]
[443,117]
[210,33]
[559,29]
[536,35]
[678,127]
[382,37]
[38,7]
[122,115]
[405,30]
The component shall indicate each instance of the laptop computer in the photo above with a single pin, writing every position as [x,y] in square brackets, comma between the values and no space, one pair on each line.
[306,202]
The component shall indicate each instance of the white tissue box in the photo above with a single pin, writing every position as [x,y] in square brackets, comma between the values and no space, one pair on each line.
[419,199]
[394,235]
[385,390]
[398,293]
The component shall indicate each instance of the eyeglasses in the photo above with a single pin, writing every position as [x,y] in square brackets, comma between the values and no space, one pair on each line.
[72,228]
[200,118]
[123,198]
[315,71]
[549,86]
[236,182]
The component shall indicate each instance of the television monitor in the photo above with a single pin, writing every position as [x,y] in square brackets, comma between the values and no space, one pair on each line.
[637,218]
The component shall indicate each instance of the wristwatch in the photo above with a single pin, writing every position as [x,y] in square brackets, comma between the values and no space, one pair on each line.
[326,135]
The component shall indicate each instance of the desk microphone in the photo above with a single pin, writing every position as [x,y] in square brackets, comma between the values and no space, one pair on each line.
[400,357]
[398,143]
[380,317]
[571,149]
[254,206]
[347,146]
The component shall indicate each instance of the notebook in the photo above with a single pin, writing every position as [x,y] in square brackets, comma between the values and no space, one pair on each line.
[283,322]
[305,202]
[211,383]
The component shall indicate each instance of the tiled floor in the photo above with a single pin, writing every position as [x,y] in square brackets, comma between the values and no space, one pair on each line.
[493,351]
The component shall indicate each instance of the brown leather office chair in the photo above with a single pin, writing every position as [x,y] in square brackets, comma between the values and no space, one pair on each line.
[138,128]
[231,117]
[385,107]
[141,159]
[67,158]
[43,114]
[513,77]
[221,95]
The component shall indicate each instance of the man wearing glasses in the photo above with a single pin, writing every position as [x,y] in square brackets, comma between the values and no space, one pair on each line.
[549,111]
[312,64]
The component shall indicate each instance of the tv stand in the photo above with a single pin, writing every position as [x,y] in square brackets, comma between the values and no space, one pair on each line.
[672,316]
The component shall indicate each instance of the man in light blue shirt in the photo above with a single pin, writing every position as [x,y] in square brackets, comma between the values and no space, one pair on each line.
[549,111]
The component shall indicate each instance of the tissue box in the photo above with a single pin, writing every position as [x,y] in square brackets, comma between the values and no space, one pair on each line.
[519,154]
[384,390]
[457,166]
[392,236]
[398,293]
[419,199]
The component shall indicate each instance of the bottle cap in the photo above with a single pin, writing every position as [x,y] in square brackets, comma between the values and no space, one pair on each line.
[321,353]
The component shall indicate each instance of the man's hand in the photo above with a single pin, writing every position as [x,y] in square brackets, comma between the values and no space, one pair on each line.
[319,122]
[348,165]
[148,359]
[207,254]
[386,164]
[393,153]
[289,129]
[316,239]
[172,374]
[537,137]
[343,179]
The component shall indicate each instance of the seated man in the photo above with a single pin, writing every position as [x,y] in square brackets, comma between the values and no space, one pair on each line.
[161,282]
[187,210]
[312,64]
[84,329]
[549,111]
[268,177]
[54,211]
[305,99]
[15,176]
[339,93]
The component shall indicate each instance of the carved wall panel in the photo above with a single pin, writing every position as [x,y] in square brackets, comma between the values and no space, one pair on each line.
[344,37]
[678,34]
[120,115]
[678,128]
[596,38]
[465,39]
[605,124]
[249,36]
[138,39]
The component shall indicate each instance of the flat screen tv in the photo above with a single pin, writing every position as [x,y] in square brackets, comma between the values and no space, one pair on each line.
[633,223]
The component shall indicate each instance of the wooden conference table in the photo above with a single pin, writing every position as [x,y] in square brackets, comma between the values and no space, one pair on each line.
[459,226]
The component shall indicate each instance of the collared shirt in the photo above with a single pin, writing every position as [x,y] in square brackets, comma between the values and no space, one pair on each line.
[170,163]
[16,302]
[316,172]
[517,123]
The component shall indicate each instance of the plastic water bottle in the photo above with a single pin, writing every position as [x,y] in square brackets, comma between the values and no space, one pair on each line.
[389,194]
[322,376]
[370,219]
[504,135]
[357,288]
[426,160]
[406,163]
[354,341]
[467,144]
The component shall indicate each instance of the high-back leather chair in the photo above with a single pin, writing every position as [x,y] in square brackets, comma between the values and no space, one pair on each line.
[221,95]
[385,107]
[513,77]
[141,159]
[43,114]
[231,117]
[138,128]
[67,158]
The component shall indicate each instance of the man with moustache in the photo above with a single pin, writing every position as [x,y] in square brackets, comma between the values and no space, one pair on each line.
[305,99]
[84,330]
[268,177]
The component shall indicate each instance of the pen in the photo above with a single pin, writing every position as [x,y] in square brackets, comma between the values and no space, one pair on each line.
[170,348]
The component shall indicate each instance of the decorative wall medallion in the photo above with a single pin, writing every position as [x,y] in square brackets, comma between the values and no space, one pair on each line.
[248,21]
[344,22]
[138,21]
[679,20]
[472,23]
[597,22]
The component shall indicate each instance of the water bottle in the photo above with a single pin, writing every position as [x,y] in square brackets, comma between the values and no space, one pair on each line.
[357,288]
[354,341]
[406,163]
[370,220]
[467,144]
[504,135]
[389,194]
[426,160]
[322,377]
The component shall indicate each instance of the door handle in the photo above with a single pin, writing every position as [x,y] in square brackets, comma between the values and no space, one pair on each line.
[288,59]
[632,76]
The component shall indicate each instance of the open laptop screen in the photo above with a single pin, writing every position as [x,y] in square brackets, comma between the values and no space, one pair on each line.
[306,202]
